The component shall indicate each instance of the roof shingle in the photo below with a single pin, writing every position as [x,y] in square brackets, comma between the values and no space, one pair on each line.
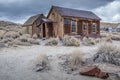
[32,19]
[76,13]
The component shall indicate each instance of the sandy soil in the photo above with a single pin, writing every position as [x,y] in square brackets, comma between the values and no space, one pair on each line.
[16,63]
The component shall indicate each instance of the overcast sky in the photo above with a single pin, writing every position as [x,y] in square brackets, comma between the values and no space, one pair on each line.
[20,10]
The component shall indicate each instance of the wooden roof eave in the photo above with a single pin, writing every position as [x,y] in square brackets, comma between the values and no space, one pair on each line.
[80,18]
[51,10]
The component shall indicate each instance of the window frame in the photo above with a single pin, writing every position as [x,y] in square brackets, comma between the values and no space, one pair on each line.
[94,26]
[74,25]
[85,23]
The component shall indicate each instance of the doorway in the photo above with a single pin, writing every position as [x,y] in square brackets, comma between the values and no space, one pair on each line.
[50,29]
[44,31]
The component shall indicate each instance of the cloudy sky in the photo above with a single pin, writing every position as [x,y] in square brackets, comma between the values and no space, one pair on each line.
[20,10]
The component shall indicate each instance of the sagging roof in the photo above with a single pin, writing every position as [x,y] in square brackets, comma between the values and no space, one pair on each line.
[75,13]
[32,19]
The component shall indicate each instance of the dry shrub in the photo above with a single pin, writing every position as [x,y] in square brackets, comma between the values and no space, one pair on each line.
[33,41]
[51,41]
[75,58]
[11,34]
[7,40]
[97,40]
[2,32]
[35,36]
[73,61]
[104,34]
[41,62]
[115,37]
[107,39]
[107,52]
[24,37]
[18,42]
[89,41]
[71,41]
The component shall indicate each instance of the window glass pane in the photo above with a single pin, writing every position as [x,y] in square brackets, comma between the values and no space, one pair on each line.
[85,26]
[94,27]
[67,21]
[73,26]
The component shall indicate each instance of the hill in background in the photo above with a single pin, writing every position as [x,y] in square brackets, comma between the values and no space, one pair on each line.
[10,26]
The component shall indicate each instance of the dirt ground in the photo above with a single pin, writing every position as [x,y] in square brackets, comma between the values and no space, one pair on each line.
[16,63]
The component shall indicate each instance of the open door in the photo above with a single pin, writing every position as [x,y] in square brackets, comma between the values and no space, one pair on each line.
[44,31]
[50,29]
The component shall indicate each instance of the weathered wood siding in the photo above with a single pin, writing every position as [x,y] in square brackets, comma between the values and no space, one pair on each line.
[79,27]
[67,29]
[80,31]
[58,23]
[29,30]
[60,29]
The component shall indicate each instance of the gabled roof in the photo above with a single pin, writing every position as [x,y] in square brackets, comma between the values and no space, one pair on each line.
[75,13]
[32,19]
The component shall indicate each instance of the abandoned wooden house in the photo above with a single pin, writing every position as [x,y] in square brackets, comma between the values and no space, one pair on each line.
[64,21]
[32,24]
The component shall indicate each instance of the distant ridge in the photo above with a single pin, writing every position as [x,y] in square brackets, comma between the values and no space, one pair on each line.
[8,23]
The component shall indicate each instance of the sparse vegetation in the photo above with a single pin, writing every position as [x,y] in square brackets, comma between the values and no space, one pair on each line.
[89,41]
[108,39]
[35,36]
[11,34]
[71,41]
[115,37]
[73,61]
[41,63]
[104,34]
[51,42]
[107,52]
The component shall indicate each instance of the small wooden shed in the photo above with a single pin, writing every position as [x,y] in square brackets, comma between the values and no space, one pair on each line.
[32,24]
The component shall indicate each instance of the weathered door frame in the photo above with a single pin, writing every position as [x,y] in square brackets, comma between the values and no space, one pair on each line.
[43,30]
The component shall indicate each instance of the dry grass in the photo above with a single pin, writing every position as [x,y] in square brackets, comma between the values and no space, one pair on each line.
[89,41]
[97,40]
[33,41]
[104,34]
[11,34]
[108,52]
[73,61]
[71,41]
[115,37]
[75,58]
[18,42]
[35,36]
[51,41]
[41,62]
[2,32]
[108,39]
[107,48]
